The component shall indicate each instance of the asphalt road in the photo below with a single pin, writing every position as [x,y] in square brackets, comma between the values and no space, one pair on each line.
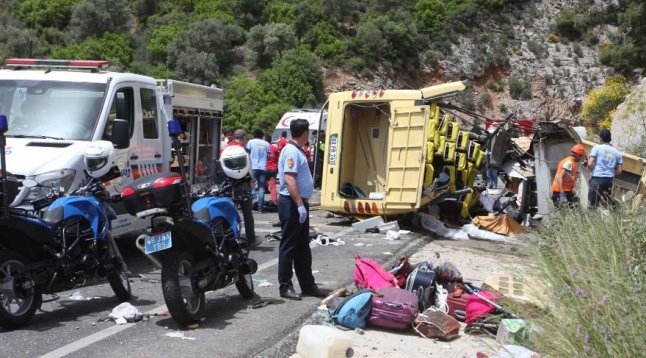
[67,327]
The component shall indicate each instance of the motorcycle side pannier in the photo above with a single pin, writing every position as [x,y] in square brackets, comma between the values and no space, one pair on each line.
[154,191]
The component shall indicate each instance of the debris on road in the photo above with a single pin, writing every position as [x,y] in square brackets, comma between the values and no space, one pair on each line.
[501,224]
[395,235]
[180,335]
[316,341]
[264,302]
[77,296]
[434,225]
[363,225]
[125,313]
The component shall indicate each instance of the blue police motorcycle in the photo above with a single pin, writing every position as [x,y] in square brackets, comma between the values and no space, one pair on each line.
[196,237]
[66,247]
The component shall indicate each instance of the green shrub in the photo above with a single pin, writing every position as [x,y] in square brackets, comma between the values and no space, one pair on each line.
[578,51]
[540,51]
[116,48]
[594,270]
[484,101]
[503,108]
[520,89]
[623,57]
[569,24]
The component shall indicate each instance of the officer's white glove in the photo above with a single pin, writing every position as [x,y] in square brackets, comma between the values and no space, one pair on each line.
[302,214]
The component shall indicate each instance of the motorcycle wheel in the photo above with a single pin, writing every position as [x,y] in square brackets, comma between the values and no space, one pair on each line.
[15,311]
[247,215]
[184,311]
[245,286]
[118,279]
[120,285]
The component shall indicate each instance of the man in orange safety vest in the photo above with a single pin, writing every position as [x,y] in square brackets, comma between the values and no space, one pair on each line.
[565,177]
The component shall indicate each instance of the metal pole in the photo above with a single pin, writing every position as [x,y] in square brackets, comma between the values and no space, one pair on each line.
[3,163]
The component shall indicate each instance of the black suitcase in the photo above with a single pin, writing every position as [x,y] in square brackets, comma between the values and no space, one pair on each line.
[422,283]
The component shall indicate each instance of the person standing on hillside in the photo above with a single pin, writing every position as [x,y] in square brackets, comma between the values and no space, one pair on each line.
[605,163]
[296,188]
[565,177]
[258,150]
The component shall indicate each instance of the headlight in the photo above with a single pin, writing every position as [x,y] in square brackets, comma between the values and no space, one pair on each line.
[60,180]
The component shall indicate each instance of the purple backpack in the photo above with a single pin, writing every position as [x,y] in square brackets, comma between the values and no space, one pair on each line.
[369,274]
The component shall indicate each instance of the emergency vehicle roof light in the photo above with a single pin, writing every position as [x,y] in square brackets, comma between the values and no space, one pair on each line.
[33,62]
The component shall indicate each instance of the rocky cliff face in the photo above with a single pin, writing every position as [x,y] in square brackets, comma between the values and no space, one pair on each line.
[629,122]
[559,72]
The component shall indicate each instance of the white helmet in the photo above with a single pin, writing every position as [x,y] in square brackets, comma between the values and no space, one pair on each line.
[99,158]
[235,162]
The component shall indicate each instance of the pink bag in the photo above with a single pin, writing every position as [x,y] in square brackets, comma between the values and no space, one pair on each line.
[477,307]
[369,274]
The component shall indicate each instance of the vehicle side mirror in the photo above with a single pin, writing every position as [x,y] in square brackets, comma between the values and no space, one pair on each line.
[121,134]
[29,183]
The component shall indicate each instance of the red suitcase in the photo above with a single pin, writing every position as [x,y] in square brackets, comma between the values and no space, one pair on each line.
[457,302]
[393,308]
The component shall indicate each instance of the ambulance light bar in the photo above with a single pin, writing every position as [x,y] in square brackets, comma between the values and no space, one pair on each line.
[32,62]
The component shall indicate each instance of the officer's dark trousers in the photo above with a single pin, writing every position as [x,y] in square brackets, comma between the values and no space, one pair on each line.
[294,247]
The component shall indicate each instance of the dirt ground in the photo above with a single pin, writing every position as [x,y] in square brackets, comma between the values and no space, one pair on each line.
[476,260]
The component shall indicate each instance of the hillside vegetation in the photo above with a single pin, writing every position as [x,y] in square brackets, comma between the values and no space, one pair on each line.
[272,55]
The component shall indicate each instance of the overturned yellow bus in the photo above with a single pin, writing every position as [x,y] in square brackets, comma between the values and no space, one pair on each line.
[391,152]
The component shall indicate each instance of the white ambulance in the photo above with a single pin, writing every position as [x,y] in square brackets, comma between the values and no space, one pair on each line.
[55,108]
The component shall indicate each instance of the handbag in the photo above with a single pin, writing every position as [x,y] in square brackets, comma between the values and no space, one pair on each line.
[435,324]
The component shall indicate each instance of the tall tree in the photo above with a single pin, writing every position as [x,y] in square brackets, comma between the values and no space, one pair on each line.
[205,51]
[96,17]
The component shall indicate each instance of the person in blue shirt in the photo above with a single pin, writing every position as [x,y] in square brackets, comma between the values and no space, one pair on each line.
[258,151]
[605,163]
[296,188]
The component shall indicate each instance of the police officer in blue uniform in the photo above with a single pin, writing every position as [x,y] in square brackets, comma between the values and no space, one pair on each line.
[296,188]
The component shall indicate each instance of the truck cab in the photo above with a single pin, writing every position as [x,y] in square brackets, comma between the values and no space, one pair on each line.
[55,108]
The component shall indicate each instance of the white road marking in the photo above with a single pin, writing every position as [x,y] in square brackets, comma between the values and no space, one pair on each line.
[111,331]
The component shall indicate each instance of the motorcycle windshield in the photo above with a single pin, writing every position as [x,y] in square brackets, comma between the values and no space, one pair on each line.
[51,109]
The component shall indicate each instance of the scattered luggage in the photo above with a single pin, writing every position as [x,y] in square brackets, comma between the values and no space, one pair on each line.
[421,282]
[354,310]
[369,274]
[393,308]
[433,323]
[457,302]
[401,271]
[477,305]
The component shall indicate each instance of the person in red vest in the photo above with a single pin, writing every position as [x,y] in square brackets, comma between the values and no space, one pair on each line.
[272,170]
[565,177]
[282,142]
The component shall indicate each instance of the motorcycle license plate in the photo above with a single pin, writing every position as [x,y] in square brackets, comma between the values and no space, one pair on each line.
[159,242]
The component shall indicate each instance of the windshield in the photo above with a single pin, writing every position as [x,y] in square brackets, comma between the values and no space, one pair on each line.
[51,109]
